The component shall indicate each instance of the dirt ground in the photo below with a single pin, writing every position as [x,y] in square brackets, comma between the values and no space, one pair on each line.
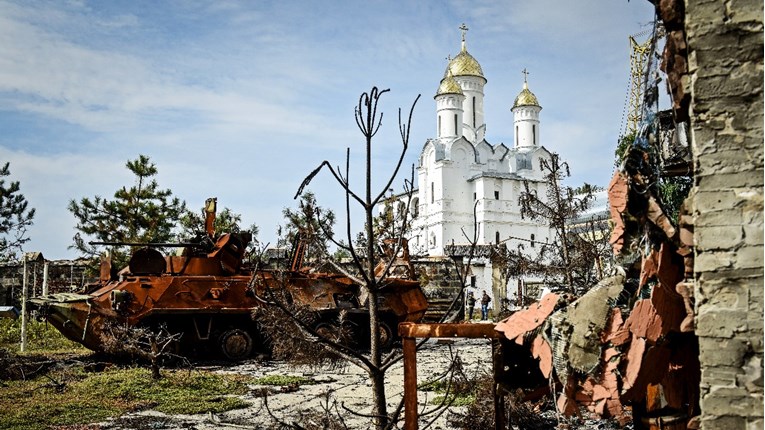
[347,386]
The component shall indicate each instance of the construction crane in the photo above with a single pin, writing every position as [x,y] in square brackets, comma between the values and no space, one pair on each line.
[638,56]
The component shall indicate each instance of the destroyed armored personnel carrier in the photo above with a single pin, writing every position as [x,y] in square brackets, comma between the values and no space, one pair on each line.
[207,295]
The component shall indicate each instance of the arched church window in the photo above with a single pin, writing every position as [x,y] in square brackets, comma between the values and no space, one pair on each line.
[455,125]
[496,195]
[432,192]
[439,126]
[534,134]
[414,208]
[496,237]
[532,240]
[516,135]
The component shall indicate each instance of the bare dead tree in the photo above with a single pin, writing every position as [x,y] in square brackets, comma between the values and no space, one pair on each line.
[145,343]
[367,271]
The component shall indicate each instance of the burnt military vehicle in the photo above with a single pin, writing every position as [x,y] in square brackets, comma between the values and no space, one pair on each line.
[207,295]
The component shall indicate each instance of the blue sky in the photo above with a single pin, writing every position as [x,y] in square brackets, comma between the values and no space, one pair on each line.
[240,100]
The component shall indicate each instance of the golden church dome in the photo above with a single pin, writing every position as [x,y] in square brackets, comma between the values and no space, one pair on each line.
[464,65]
[449,85]
[526,98]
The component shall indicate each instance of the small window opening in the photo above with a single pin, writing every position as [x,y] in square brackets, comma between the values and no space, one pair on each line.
[432,192]
[532,240]
[496,237]
[455,125]
[496,195]
[473,112]
[534,134]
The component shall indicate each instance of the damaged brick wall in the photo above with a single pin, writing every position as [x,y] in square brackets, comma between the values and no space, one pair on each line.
[725,46]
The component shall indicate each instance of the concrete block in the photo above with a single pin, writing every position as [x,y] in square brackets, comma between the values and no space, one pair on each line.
[753,234]
[719,323]
[720,237]
[718,175]
[715,377]
[711,260]
[722,352]
[722,423]
[751,378]
[749,257]
[714,199]
[726,294]
[731,401]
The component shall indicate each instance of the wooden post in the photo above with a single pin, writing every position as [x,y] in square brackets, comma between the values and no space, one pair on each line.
[410,383]
[24,293]
[499,400]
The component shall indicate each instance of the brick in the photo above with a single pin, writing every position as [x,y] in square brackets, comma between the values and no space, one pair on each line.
[722,423]
[711,261]
[719,376]
[754,424]
[731,217]
[721,352]
[749,257]
[720,237]
[714,200]
[753,234]
[723,176]
[726,294]
[719,323]
[748,275]
[731,401]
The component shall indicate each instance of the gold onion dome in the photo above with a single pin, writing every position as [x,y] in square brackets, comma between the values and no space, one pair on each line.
[526,98]
[464,65]
[449,86]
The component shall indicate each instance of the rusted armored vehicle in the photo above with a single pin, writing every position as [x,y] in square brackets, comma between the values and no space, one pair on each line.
[207,294]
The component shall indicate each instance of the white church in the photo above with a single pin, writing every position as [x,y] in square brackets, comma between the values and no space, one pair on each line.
[459,170]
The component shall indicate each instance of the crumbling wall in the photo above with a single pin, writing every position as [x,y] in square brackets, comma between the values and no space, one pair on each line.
[725,46]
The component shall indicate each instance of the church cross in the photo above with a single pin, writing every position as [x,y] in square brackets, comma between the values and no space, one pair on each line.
[525,75]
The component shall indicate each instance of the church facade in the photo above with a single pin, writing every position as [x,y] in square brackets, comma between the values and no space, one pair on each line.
[467,184]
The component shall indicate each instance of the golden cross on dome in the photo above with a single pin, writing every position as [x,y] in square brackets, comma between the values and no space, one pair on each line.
[525,75]
[464,29]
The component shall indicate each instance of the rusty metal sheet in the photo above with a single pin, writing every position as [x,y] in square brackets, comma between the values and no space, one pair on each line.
[616,331]
[644,322]
[443,330]
[541,350]
[528,319]
[618,190]
[646,365]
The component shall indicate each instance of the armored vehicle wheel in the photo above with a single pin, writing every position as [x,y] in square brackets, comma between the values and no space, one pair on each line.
[235,344]
[386,335]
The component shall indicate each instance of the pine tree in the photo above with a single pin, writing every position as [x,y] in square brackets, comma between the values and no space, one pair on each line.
[140,214]
[313,221]
[15,216]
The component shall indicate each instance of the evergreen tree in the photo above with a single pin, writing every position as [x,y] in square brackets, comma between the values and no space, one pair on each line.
[15,216]
[314,222]
[140,214]
[570,261]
